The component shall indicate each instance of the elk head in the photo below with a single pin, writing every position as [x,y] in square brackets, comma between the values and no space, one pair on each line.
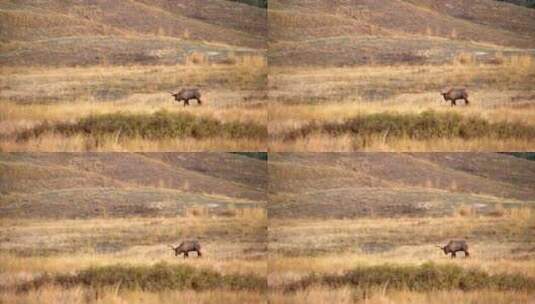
[443,248]
[175,249]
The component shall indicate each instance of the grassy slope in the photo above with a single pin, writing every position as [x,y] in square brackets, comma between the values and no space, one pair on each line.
[66,214]
[361,184]
[393,31]
[86,185]
[57,33]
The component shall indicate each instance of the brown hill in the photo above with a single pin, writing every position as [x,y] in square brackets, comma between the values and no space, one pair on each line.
[361,184]
[385,31]
[123,31]
[120,184]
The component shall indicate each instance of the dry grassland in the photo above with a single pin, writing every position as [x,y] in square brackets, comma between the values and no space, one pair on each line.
[500,93]
[232,245]
[500,244]
[233,93]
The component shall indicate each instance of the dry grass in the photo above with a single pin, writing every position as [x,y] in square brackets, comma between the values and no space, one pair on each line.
[380,296]
[231,93]
[69,245]
[17,116]
[80,143]
[348,143]
[299,247]
[113,296]
[498,93]
[233,244]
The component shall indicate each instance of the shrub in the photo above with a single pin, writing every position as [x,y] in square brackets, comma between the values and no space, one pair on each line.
[158,277]
[159,125]
[426,277]
[426,125]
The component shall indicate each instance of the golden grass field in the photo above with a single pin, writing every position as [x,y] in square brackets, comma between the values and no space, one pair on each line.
[233,244]
[232,93]
[299,247]
[438,197]
[100,211]
[331,214]
[499,93]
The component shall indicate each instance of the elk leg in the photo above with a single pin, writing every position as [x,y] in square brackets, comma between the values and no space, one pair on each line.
[186,255]
[186,102]
[453,103]
[466,254]
[199,101]
[453,255]
[199,254]
[466,101]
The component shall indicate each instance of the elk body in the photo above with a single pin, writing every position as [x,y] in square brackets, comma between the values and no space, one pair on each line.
[186,247]
[186,95]
[455,246]
[454,94]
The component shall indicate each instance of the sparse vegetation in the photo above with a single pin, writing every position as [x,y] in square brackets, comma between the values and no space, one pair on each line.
[159,125]
[426,277]
[423,126]
[345,237]
[112,257]
[348,109]
[134,94]
[158,277]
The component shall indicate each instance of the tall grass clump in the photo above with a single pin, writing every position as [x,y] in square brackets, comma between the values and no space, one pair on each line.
[159,125]
[422,126]
[426,277]
[158,277]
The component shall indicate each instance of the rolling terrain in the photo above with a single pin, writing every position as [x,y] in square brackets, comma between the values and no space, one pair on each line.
[364,227]
[119,61]
[350,185]
[82,185]
[56,33]
[106,220]
[366,75]
[306,33]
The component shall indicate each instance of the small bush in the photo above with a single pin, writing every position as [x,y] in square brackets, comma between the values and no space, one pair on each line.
[426,277]
[158,277]
[159,125]
[426,125]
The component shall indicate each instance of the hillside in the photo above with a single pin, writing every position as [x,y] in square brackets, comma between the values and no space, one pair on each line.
[346,185]
[298,32]
[381,31]
[55,32]
[82,185]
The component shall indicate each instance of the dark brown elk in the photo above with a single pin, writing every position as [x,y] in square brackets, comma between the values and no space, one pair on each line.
[455,246]
[186,95]
[454,94]
[186,247]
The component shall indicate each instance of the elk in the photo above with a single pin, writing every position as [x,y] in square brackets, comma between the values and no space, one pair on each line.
[454,94]
[187,246]
[454,246]
[187,94]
